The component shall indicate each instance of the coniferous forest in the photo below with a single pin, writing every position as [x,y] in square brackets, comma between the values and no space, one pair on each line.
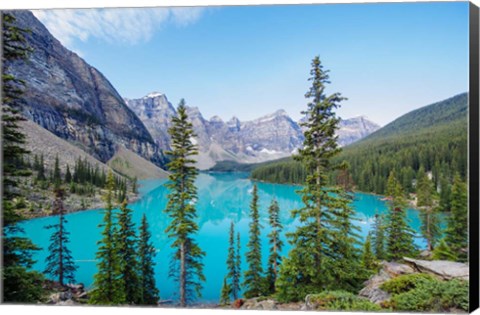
[317,257]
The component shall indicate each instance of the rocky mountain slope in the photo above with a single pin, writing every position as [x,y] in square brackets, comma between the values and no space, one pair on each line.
[267,138]
[353,129]
[75,101]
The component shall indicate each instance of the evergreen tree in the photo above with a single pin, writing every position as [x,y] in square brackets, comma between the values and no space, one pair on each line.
[135,185]
[456,234]
[19,283]
[146,252]
[187,266]
[238,263]
[399,234]
[253,275]
[430,223]
[108,281]
[68,175]
[445,194]
[368,259]
[126,240]
[41,170]
[57,178]
[59,263]
[232,275]
[323,246]
[443,252]
[225,293]
[378,238]
[276,244]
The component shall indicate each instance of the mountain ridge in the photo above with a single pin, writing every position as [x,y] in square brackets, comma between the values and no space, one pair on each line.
[269,137]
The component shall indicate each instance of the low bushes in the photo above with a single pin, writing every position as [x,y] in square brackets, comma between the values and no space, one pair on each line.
[341,300]
[424,293]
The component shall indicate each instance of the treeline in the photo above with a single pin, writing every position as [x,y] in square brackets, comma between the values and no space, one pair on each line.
[83,179]
[284,172]
[441,150]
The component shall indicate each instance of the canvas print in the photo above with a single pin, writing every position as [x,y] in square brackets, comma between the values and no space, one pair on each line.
[296,157]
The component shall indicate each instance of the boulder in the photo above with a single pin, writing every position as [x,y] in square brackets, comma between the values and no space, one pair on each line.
[394,269]
[267,305]
[259,304]
[446,270]
[54,298]
[389,270]
[372,289]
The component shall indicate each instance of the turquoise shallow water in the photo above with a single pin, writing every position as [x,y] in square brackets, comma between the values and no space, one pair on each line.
[222,198]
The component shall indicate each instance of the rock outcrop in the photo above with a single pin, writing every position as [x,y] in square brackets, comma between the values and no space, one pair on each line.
[74,100]
[389,270]
[445,270]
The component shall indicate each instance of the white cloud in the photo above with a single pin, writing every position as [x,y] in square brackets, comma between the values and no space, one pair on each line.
[125,26]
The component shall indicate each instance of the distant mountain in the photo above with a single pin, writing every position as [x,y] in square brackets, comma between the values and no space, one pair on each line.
[445,112]
[156,112]
[75,101]
[269,137]
[353,129]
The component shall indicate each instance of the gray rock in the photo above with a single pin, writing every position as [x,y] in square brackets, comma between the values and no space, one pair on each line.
[372,290]
[443,269]
[54,298]
[267,305]
[394,269]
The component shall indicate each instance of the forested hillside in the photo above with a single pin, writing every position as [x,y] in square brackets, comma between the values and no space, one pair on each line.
[434,136]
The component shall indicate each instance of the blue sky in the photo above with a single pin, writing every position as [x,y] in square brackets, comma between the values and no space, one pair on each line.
[387,59]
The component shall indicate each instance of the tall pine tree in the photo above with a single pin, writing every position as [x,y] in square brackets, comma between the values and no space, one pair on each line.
[276,244]
[324,240]
[430,227]
[57,177]
[225,293]
[456,234]
[146,253]
[233,276]
[253,283]
[368,259]
[399,233]
[19,283]
[238,263]
[108,281]
[186,266]
[59,262]
[378,238]
[126,242]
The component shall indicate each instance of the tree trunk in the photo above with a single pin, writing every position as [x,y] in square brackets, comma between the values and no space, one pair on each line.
[183,282]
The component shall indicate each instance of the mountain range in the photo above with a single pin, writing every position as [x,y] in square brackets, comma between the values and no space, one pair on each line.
[76,103]
[266,138]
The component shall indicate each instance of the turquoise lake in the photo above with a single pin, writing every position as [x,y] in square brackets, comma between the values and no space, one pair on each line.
[222,198]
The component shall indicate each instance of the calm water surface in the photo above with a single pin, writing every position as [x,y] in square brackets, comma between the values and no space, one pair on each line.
[222,198]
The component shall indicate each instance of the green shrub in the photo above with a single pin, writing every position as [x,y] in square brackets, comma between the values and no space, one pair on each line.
[342,300]
[405,283]
[433,295]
